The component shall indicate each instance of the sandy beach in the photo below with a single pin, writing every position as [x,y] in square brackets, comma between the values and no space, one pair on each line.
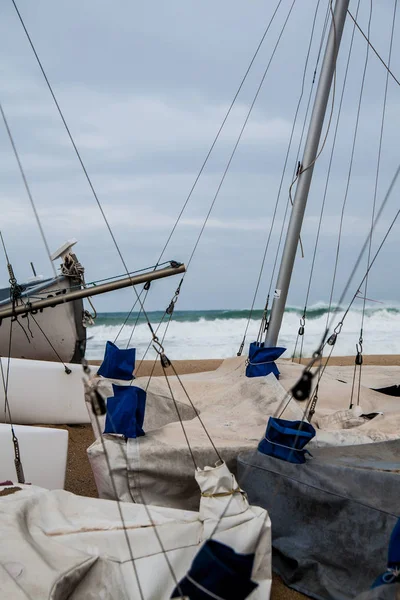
[79,478]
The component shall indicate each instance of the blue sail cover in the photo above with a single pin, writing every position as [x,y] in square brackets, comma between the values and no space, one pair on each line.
[117,364]
[125,411]
[286,440]
[261,360]
[392,575]
[217,571]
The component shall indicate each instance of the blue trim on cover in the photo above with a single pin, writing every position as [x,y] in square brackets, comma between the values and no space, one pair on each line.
[261,360]
[286,440]
[117,363]
[125,411]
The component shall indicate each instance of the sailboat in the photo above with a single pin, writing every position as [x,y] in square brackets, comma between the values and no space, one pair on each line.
[190,422]
[54,334]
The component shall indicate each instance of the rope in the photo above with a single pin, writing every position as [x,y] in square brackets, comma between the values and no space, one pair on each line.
[28,191]
[280,184]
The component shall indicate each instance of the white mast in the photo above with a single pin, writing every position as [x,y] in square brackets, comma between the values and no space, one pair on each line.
[304,180]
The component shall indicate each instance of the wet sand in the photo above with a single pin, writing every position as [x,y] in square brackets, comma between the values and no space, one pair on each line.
[79,478]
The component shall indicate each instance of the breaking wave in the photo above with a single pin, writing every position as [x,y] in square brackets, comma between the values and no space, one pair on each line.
[218,333]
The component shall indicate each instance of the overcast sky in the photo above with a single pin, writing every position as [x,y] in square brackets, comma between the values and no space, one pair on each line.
[144,87]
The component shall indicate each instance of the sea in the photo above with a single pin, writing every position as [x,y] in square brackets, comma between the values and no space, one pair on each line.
[200,334]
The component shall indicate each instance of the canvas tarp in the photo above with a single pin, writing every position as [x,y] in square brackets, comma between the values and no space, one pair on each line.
[235,409]
[332,516]
[56,545]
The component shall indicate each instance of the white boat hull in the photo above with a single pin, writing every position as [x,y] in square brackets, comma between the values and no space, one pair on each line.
[42,392]
[56,332]
[43,454]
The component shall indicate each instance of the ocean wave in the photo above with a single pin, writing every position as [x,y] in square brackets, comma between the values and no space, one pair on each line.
[218,334]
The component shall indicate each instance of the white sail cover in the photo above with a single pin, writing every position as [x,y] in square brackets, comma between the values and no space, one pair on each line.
[235,410]
[59,546]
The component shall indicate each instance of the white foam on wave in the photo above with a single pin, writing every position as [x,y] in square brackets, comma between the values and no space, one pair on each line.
[221,338]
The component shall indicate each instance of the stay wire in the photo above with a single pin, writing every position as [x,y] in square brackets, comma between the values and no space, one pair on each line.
[240,135]
[357,264]
[220,130]
[373,48]
[142,502]
[296,162]
[379,156]
[5,380]
[281,180]
[46,338]
[360,347]
[128,317]
[119,505]
[179,416]
[318,353]
[216,137]
[234,151]
[303,169]
[94,193]
[327,184]
[27,188]
[338,246]
[17,456]
[195,411]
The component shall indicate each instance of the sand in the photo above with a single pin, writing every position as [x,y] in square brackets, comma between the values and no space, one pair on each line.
[79,478]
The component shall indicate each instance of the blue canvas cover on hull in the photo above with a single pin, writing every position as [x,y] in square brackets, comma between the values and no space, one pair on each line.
[332,516]
[392,574]
[286,439]
[117,363]
[125,411]
[217,571]
[261,360]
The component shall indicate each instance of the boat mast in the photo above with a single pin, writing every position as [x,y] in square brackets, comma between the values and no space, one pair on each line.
[64,296]
[306,171]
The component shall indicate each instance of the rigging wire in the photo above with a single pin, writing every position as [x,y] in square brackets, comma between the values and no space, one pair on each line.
[298,154]
[67,369]
[303,318]
[338,246]
[280,184]
[94,193]
[374,198]
[387,67]
[127,318]
[126,269]
[230,160]
[243,80]
[5,379]
[323,342]
[240,135]
[220,128]
[27,188]
[86,370]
